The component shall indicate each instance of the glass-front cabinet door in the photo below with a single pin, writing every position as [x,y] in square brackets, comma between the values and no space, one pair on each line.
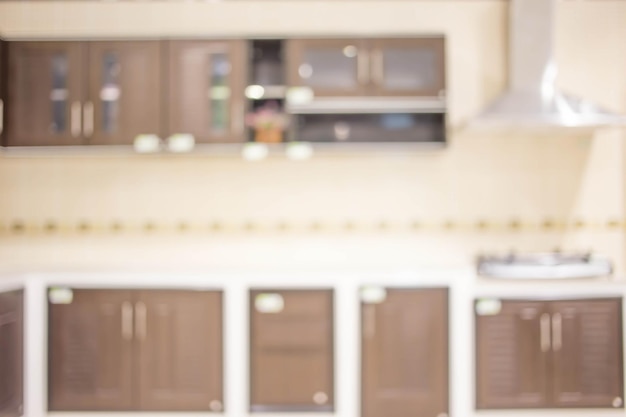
[46,93]
[205,95]
[124,92]
[329,67]
[408,67]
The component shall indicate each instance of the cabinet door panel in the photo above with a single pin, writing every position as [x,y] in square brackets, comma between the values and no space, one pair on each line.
[408,67]
[90,352]
[124,92]
[11,353]
[405,354]
[512,354]
[329,67]
[179,336]
[45,93]
[291,358]
[3,84]
[587,353]
[206,90]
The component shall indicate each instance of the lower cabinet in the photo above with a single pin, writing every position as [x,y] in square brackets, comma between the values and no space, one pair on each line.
[548,354]
[404,357]
[291,350]
[11,356]
[135,350]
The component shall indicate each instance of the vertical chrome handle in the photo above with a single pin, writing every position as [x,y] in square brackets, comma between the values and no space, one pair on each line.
[544,326]
[88,119]
[127,321]
[141,321]
[1,115]
[75,116]
[378,68]
[369,321]
[557,335]
[363,67]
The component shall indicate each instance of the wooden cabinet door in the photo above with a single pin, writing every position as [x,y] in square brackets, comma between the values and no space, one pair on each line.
[3,84]
[291,357]
[90,350]
[330,67]
[124,92]
[512,354]
[206,84]
[408,67]
[587,353]
[11,353]
[179,337]
[404,353]
[45,93]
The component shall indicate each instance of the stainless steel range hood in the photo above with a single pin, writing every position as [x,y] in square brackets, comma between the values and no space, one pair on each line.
[532,99]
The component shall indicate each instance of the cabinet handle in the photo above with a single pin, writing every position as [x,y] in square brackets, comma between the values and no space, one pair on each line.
[363,67]
[88,119]
[127,321]
[141,320]
[557,336]
[369,321]
[378,68]
[1,115]
[545,332]
[75,117]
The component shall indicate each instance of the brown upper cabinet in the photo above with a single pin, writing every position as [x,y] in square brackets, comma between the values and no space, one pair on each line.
[404,357]
[46,93]
[72,93]
[156,350]
[547,354]
[124,92]
[11,353]
[3,81]
[291,350]
[206,82]
[368,67]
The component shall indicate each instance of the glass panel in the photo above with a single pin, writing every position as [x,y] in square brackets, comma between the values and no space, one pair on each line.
[413,69]
[330,68]
[58,93]
[110,92]
[391,127]
[219,95]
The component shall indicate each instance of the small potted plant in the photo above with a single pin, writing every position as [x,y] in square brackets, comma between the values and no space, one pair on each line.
[268,123]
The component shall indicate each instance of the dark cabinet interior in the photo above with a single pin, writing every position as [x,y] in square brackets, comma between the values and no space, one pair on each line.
[364,128]
[206,89]
[135,350]
[544,354]
[291,350]
[11,353]
[73,93]
[404,353]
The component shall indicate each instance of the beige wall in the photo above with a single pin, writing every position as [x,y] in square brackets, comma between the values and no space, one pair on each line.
[492,177]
